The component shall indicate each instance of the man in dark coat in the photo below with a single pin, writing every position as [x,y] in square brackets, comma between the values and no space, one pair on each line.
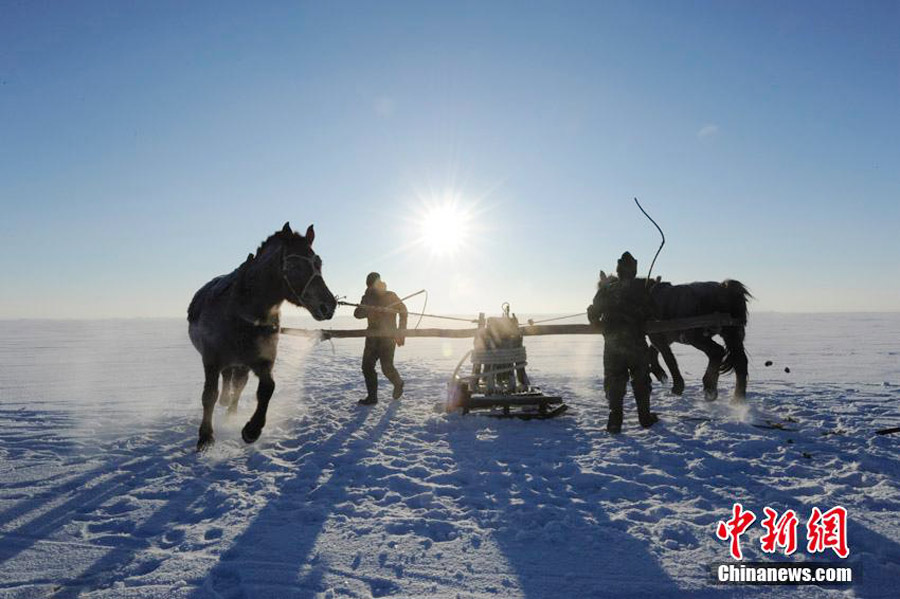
[381,307]
[622,307]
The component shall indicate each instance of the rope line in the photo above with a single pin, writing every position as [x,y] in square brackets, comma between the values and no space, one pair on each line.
[423,314]
[424,307]
[532,322]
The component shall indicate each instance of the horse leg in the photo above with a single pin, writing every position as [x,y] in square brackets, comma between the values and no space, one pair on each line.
[238,382]
[736,359]
[715,353]
[677,380]
[210,393]
[655,368]
[253,429]
[225,395]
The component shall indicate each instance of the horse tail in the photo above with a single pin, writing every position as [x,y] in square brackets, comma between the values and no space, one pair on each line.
[737,296]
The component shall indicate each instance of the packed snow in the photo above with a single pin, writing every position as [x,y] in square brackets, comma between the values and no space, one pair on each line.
[102,494]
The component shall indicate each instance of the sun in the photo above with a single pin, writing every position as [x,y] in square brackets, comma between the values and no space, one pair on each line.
[444,227]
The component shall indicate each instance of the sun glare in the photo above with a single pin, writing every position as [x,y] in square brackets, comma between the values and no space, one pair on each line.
[444,228]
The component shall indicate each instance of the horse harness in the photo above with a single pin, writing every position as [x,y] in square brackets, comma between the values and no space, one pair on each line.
[316,269]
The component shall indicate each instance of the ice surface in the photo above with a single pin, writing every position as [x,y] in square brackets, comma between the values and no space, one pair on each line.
[101,494]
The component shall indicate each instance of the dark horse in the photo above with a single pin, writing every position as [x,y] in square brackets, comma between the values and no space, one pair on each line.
[669,301]
[234,322]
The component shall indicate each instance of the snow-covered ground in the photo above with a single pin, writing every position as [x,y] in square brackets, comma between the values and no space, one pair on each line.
[102,495]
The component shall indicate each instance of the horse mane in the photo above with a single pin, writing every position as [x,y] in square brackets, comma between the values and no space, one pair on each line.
[267,242]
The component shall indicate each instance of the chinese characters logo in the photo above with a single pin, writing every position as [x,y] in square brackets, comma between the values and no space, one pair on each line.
[824,530]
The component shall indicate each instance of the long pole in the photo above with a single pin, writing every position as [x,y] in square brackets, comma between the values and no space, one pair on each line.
[713,321]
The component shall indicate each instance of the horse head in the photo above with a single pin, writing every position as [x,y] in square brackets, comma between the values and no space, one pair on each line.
[604,284]
[301,274]
[598,305]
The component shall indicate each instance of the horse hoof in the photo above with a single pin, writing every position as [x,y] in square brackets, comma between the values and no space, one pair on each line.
[738,399]
[711,395]
[205,443]
[678,390]
[249,435]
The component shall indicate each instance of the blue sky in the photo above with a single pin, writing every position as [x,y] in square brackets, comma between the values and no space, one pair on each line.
[147,146]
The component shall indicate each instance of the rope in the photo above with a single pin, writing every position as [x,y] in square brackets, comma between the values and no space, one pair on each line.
[533,322]
[392,311]
[424,307]
[458,366]
[649,272]
[499,356]
[406,297]
[481,375]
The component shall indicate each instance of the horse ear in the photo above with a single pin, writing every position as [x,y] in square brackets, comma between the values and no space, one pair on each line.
[310,235]
[602,276]
[287,228]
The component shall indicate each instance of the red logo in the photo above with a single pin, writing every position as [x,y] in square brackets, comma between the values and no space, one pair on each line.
[827,531]
[824,530]
[734,528]
[780,532]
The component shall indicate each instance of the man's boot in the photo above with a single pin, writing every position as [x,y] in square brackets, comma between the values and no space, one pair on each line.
[368,401]
[615,395]
[398,388]
[614,424]
[645,416]
[648,419]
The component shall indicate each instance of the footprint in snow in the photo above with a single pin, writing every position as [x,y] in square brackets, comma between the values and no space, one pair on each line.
[172,538]
[122,507]
[213,534]
[383,588]
[111,526]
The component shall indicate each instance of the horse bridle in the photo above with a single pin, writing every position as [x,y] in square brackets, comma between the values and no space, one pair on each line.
[316,270]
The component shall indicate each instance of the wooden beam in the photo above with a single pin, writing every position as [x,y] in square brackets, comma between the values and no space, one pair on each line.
[349,333]
[712,321]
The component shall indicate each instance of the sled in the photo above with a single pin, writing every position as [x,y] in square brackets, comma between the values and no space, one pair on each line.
[498,382]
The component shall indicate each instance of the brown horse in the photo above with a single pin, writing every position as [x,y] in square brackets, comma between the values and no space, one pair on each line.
[234,322]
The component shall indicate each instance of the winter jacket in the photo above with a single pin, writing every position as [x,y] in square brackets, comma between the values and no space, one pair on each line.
[382,320]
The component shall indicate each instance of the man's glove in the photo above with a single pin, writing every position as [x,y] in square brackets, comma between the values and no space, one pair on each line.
[592,315]
[400,339]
